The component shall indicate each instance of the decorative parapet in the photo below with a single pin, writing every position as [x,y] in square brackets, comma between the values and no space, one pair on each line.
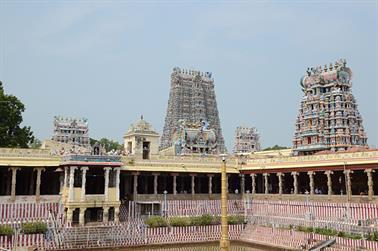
[364,157]
[24,152]
[92,159]
[187,164]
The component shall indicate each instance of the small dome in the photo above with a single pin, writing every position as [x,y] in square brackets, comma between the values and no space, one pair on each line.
[141,127]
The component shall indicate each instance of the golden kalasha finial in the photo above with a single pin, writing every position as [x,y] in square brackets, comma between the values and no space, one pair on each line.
[330,67]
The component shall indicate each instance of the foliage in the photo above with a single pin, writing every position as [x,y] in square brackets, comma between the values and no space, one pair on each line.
[275,147]
[156,221]
[372,236]
[6,230]
[107,143]
[325,231]
[36,144]
[179,221]
[11,134]
[34,228]
[235,219]
[202,220]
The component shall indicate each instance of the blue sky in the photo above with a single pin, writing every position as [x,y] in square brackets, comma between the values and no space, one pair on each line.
[110,61]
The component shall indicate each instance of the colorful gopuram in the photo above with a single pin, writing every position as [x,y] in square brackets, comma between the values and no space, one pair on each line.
[192,99]
[328,117]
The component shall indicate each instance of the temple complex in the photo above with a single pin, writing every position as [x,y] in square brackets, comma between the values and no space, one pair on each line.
[328,117]
[247,140]
[72,131]
[192,99]
[90,186]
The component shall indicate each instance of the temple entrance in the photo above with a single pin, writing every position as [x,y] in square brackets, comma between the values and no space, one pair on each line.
[94,214]
[95,181]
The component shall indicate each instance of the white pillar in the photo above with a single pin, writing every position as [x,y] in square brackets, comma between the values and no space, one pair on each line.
[370,183]
[193,184]
[348,183]
[82,216]
[65,181]
[210,183]
[253,176]
[69,215]
[135,186]
[83,181]
[106,189]
[116,214]
[117,182]
[156,183]
[71,184]
[242,184]
[311,176]
[14,180]
[105,216]
[295,182]
[266,182]
[38,183]
[329,183]
[280,190]
[174,184]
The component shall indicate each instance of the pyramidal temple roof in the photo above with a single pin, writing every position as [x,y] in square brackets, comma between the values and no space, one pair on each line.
[141,127]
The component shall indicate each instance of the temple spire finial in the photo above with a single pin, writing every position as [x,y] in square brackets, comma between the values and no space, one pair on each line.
[141,117]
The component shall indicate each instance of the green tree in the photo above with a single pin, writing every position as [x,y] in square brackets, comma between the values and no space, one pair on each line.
[276,147]
[36,144]
[107,143]
[11,133]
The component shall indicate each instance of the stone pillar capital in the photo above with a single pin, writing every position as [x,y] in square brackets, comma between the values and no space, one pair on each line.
[369,170]
[328,172]
[266,174]
[252,174]
[84,169]
[310,173]
[107,168]
[294,173]
[279,174]
[39,169]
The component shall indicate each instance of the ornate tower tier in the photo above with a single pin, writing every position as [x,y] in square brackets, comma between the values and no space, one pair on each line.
[247,140]
[192,99]
[328,117]
[72,131]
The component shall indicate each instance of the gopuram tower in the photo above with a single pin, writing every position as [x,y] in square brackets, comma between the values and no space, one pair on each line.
[192,119]
[328,117]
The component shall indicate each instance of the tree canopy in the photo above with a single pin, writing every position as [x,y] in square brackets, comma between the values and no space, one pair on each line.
[107,143]
[275,147]
[11,133]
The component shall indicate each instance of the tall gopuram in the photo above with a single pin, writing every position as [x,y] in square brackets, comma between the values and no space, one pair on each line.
[192,102]
[71,131]
[247,140]
[328,117]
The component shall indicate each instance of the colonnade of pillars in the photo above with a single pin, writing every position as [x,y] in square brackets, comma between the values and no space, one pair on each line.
[69,181]
[348,182]
[13,182]
[175,183]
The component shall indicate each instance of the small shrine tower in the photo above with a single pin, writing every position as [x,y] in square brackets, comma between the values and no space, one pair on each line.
[141,140]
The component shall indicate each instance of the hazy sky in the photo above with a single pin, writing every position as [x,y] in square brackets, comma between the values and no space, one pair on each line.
[111,61]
